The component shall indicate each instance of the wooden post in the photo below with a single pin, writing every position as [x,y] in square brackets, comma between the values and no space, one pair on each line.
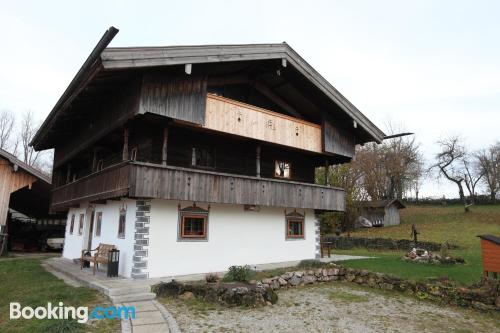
[165,145]
[125,144]
[326,172]
[94,160]
[68,173]
[257,161]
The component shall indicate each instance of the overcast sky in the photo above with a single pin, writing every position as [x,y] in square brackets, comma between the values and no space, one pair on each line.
[433,66]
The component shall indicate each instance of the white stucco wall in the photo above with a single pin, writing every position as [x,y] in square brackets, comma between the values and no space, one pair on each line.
[73,244]
[235,237]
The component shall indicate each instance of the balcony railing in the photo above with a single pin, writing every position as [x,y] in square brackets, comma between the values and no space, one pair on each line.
[145,180]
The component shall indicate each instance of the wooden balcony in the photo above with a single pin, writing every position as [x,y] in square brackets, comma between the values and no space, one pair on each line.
[145,180]
[230,116]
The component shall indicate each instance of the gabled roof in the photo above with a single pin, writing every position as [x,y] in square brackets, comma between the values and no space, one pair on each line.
[103,58]
[23,166]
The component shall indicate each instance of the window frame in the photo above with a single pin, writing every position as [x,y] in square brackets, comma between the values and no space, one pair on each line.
[192,212]
[98,224]
[72,224]
[289,169]
[81,224]
[123,214]
[196,150]
[291,218]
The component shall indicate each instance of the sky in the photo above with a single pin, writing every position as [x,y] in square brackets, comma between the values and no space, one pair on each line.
[432,67]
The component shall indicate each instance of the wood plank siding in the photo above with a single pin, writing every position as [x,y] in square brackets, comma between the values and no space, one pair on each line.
[146,180]
[174,183]
[109,183]
[180,98]
[491,256]
[230,116]
[337,140]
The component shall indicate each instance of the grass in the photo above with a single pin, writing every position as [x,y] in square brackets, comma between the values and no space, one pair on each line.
[344,296]
[25,281]
[436,224]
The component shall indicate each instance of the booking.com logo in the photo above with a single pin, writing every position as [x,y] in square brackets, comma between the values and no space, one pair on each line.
[81,313]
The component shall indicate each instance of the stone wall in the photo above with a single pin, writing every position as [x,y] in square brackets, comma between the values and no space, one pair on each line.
[346,243]
[484,296]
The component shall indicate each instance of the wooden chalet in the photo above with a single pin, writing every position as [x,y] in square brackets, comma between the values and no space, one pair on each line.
[198,126]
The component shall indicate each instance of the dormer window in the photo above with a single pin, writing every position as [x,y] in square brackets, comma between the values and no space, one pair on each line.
[283,169]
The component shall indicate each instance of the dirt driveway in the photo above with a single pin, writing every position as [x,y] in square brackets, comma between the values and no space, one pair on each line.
[334,307]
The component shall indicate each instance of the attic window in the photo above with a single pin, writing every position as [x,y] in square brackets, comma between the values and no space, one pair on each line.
[282,169]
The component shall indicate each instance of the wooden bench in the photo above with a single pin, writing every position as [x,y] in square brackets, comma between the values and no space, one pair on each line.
[324,245]
[100,255]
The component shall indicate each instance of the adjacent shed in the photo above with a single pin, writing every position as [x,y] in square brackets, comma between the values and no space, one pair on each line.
[490,248]
[381,212]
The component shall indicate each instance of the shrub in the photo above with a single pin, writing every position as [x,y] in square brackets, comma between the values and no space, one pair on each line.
[211,278]
[239,274]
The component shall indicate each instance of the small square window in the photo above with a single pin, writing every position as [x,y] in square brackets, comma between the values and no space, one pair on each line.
[80,224]
[121,223]
[98,224]
[193,223]
[282,169]
[72,224]
[295,226]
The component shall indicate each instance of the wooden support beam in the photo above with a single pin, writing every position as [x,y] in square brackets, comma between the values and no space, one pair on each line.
[269,93]
[164,146]
[68,173]
[327,168]
[125,144]
[94,160]
[257,161]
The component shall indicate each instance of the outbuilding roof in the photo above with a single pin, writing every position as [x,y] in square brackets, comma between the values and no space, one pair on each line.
[491,238]
[23,166]
[382,203]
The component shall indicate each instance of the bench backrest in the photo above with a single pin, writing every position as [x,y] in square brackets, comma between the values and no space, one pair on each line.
[103,249]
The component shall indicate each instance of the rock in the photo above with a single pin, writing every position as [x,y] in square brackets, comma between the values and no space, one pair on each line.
[294,281]
[298,274]
[332,271]
[387,286]
[324,272]
[287,275]
[309,279]
[364,272]
[253,282]
[282,281]
[275,285]
[359,280]
[350,277]
[187,295]
[267,281]
[318,272]
[481,306]
[271,296]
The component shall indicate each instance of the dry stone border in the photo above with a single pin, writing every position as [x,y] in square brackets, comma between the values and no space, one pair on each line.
[484,296]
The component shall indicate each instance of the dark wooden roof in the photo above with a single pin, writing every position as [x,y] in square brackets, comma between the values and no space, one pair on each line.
[490,238]
[107,64]
[25,167]
[382,203]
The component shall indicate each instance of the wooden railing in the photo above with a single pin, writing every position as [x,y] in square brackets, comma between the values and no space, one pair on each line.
[146,180]
[175,183]
[109,183]
[230,116]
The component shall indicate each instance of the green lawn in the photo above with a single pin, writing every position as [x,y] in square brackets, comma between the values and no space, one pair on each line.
[26,282]
[436,224]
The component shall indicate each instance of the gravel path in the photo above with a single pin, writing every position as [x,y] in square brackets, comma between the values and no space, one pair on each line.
[334,307]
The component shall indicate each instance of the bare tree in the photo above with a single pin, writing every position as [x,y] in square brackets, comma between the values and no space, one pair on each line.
[7,122]
[27,131]
[472,175]
[448,162]
[489,162]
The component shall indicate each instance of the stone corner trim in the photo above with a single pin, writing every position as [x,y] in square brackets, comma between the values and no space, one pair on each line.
[141,240]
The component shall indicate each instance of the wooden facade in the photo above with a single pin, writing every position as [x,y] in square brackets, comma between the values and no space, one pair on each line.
[146,180]
[230,116]
[215,123]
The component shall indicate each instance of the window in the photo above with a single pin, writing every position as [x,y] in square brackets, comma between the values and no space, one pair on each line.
[282,169]
[98,224]
[100,165]
[193,223]
[133,154]
[203,157]
[72,224]
[294,226]
[121,223]
[80,224]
